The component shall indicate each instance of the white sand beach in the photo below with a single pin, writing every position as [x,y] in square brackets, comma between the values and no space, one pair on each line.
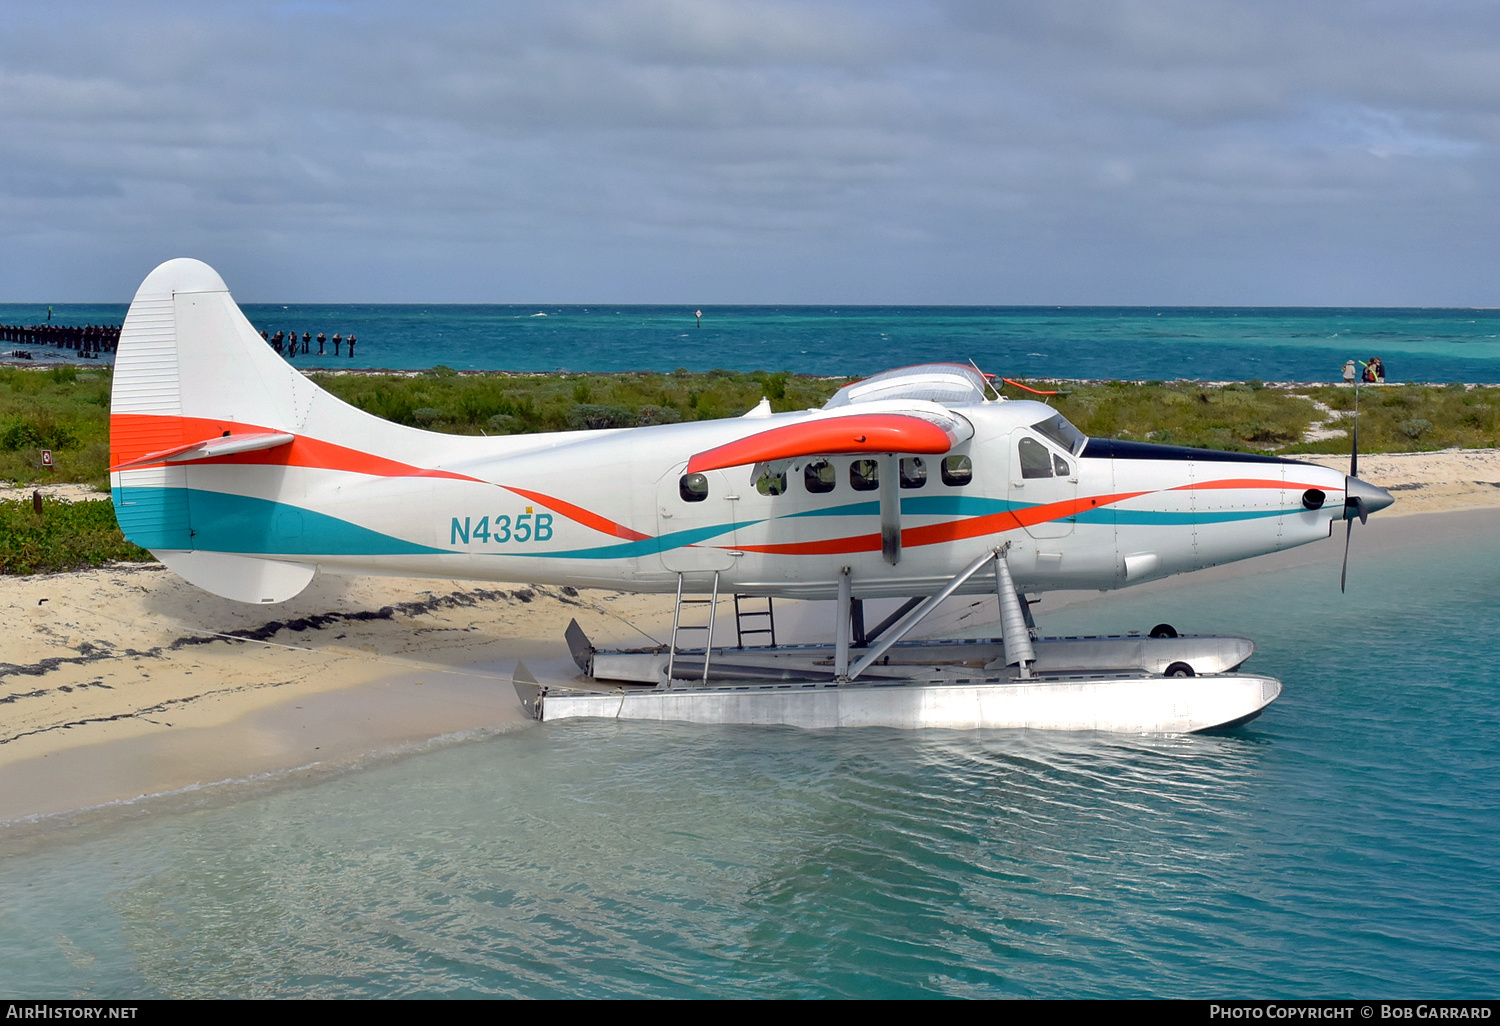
[119,682]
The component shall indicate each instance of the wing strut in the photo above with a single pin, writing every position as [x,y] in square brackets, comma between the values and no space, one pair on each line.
[890,509]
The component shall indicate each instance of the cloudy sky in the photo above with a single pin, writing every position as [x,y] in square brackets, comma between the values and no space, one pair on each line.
[699,151]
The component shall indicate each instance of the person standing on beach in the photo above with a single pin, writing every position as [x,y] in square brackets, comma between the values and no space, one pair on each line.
[1349,372]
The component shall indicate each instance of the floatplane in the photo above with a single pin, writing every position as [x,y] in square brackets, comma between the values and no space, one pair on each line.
[246,479]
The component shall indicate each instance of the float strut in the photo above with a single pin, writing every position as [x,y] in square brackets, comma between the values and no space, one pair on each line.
[1018,650]
[917,615]
[842,627]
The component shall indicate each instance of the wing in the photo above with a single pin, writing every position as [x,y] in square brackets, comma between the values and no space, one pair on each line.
[928,430]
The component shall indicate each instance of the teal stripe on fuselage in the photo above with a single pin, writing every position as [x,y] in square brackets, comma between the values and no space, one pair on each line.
[848,509]
[153,518]
[223,522]
[644,547]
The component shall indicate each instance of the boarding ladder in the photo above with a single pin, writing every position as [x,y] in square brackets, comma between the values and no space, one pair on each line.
[741,614]
[678,626]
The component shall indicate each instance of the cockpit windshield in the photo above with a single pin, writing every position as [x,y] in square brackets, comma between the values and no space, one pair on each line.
[1060,431]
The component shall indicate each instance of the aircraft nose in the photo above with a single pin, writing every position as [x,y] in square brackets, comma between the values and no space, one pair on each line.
[1372,497]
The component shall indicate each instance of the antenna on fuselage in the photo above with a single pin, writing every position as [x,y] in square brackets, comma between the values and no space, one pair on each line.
[989,380]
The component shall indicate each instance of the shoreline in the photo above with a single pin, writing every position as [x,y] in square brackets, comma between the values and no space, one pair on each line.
[119,683]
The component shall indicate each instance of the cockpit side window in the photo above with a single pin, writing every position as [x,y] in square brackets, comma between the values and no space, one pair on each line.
[1036,459]
[1058,430]
[1060,466]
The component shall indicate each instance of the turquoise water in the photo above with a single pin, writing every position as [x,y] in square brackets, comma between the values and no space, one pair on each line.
[1073,342]
[1346,843]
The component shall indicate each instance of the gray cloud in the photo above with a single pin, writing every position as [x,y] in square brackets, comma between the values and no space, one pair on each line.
[1104,151]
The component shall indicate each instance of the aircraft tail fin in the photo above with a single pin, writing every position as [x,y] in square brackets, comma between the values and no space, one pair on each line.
[193,379]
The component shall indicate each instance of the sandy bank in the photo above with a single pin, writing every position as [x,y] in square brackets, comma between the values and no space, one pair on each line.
[1429,482]
[117,682]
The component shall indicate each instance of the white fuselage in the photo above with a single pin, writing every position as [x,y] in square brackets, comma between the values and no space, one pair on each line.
[604,509]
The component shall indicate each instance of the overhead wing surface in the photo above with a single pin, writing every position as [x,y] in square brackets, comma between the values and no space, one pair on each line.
[927,433]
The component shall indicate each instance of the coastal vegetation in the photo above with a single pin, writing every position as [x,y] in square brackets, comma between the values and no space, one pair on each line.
[63,536]
[65,410]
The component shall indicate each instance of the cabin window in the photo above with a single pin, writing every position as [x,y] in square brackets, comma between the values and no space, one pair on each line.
[957,471]
[819,477]
[1060,466]
[913,472]
[771,484]
[864,475]
[1036,459]
[693,487]
[1060,431]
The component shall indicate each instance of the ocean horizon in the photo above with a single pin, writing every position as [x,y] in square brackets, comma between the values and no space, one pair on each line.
[1138,343]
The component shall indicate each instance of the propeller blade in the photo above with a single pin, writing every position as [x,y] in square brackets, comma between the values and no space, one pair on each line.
[1344,573]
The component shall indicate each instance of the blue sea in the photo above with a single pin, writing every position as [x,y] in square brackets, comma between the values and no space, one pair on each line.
[1139,343]
[1345,843]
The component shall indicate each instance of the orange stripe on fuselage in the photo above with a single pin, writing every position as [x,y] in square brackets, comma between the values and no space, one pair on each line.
[1241,482]
[953,530]
[133,428]
[579,514]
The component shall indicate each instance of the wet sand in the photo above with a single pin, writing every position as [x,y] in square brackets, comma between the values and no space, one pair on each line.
[117,683]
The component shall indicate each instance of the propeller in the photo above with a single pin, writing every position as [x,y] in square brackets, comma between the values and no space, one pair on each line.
[1360,497]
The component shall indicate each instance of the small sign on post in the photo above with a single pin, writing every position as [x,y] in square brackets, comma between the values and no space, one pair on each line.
[47,458]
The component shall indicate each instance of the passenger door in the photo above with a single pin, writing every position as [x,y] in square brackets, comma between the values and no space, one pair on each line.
[1043,484]
[696,533]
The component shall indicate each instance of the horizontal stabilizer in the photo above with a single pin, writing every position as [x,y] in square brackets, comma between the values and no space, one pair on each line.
[220,446]
[838,435]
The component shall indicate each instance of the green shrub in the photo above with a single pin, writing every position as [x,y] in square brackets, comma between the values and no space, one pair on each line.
[658,415]
[66,536]
[594,416]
